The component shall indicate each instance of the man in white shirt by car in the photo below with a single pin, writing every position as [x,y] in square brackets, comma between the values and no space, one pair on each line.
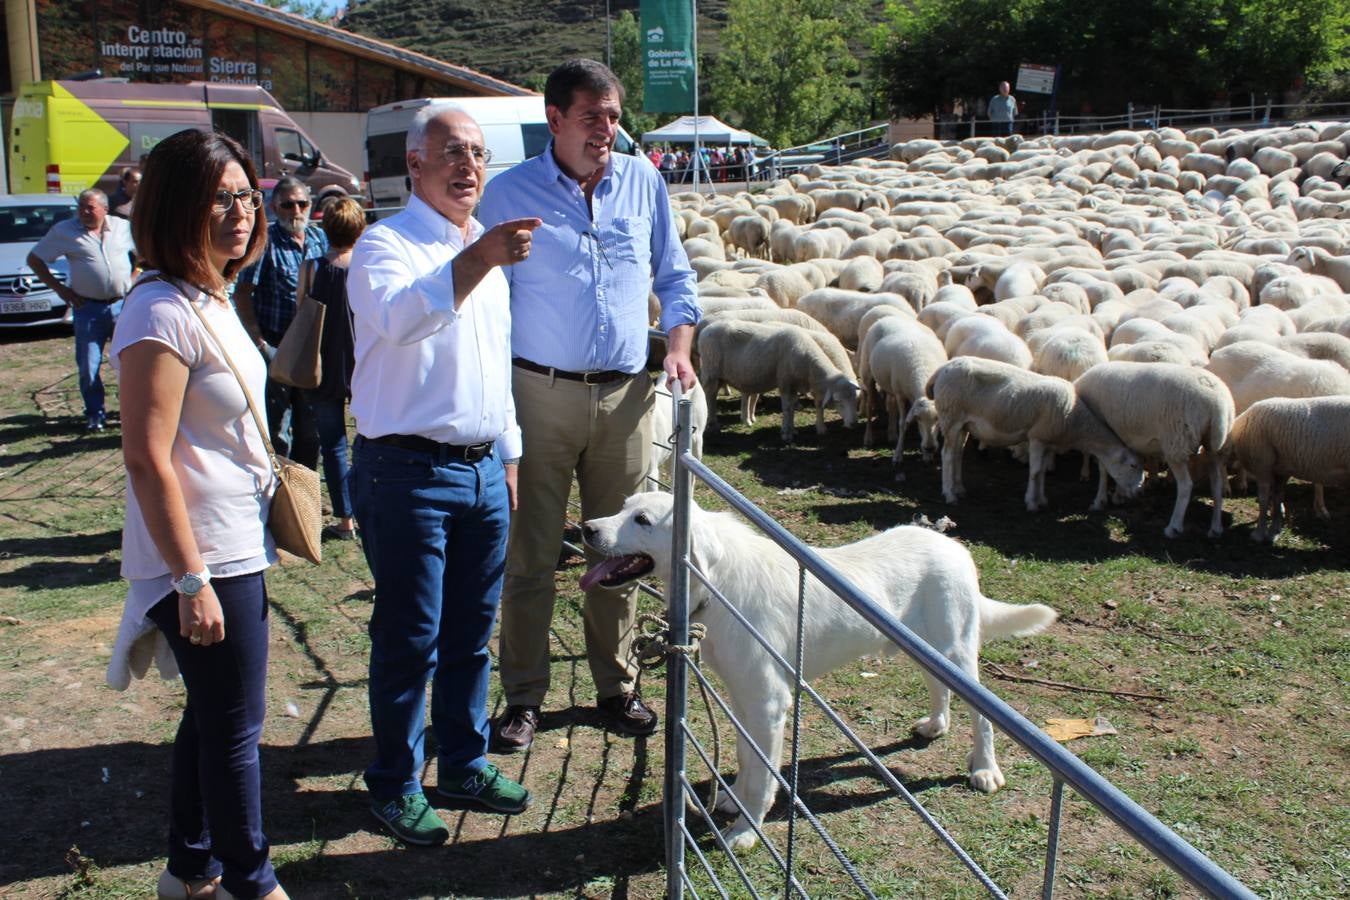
[434,471]
[100,255]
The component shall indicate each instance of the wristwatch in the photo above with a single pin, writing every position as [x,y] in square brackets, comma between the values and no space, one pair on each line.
[193,582]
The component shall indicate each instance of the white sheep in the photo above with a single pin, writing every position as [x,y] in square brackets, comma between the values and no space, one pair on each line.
[1283,438]
[862,273]
[898,356]
[784,286]
[1019,280]
[1255,371]
[841,311]
[1004,405]
[755,358]
[1166,411]
[750,233]
[1067,353]
[986,337]
[1317,261]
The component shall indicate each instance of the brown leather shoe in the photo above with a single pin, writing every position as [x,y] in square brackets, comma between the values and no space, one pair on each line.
[514,731]
[627,715]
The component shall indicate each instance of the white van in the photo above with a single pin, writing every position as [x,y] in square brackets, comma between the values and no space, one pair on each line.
[514,128]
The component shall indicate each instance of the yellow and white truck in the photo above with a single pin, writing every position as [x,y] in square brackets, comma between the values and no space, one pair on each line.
[71,135]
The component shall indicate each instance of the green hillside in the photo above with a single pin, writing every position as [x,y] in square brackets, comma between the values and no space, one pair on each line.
[516,40]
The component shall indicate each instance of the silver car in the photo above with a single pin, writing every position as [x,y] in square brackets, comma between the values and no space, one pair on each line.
[25,302]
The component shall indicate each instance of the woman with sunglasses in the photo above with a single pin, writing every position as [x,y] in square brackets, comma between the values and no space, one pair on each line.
[195,543]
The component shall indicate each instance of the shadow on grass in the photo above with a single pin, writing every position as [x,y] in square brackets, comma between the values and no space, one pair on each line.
[73,441]
[123,821]
[993,513]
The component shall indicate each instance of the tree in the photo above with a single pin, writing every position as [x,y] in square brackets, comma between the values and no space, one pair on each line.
[626,58]
[319,10]
[785,69]
[1168,52]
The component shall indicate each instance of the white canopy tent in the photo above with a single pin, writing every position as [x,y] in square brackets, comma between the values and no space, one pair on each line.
[704,130]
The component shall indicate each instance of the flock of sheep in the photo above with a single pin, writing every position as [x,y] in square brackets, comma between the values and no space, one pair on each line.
[1168,297]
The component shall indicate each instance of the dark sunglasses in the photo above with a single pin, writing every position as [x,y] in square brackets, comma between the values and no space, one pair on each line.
[292,204]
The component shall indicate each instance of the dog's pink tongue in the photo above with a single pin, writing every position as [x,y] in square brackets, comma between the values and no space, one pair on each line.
[601,571]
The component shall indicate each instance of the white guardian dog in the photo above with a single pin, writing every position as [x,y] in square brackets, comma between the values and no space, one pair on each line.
[926,580]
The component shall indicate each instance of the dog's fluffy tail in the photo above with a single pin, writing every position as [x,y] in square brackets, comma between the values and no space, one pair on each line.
[999,620]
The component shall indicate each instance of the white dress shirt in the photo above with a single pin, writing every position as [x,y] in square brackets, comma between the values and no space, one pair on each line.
[423,368]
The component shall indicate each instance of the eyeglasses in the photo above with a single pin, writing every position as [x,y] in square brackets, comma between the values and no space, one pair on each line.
[225,200]
[293,204]
[459,153]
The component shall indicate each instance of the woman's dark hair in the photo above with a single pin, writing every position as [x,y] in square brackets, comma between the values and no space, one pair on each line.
[580,74]
[171,220]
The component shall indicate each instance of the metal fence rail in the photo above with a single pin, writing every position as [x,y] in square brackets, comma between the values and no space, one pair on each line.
[1065,768]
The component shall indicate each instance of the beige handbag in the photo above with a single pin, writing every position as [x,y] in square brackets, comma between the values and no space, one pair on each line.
[296,515]
[297,361]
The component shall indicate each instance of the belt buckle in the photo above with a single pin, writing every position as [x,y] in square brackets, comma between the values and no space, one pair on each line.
[477,452]
[592,378]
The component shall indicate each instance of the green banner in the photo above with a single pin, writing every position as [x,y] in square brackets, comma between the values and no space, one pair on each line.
[668,55]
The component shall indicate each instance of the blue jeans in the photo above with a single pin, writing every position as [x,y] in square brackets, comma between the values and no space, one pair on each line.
[330,420]
[215,790]
[93,327]
[434,533]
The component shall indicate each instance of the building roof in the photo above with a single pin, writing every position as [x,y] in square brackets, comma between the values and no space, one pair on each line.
[360,45]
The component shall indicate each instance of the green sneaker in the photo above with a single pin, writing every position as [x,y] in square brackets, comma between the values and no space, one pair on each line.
[412,820]
[486,787]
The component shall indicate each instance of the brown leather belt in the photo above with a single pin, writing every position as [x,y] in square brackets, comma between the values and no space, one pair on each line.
[602,377]
[418,444]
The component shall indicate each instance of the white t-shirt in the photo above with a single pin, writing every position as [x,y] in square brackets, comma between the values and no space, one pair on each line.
[218,454]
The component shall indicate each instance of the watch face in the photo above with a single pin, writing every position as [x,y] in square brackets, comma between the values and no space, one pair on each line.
[190,584]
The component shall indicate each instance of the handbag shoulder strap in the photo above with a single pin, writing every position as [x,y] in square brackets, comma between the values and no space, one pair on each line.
[243,386]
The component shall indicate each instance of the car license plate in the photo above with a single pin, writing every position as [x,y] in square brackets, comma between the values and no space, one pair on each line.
[24,306]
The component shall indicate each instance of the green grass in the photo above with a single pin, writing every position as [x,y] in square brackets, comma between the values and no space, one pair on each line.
[1246,755]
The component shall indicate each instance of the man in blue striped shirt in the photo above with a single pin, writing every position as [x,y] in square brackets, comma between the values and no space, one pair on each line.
[579,348]
[266,302]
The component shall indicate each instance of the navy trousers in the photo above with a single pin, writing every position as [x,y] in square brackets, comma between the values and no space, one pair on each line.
[215,792]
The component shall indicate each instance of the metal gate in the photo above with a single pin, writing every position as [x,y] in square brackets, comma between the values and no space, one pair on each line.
[1065,768]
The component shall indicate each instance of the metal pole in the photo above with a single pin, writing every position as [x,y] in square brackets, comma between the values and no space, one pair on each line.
[698,156]
[609,50]
[677,674]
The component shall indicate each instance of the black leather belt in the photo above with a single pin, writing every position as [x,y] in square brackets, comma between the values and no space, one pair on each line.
[418,444]
[602,377]
[96,300]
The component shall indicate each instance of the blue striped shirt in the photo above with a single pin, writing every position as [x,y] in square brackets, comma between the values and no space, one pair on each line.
[275,275]
[579,302]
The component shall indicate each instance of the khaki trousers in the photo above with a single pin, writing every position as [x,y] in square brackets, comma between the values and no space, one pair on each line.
[600,433]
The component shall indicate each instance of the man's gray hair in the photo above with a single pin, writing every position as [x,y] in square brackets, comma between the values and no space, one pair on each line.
[289,183]
[417,128]
[96,194]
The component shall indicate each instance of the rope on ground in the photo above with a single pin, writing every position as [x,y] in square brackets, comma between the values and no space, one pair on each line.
[650,648]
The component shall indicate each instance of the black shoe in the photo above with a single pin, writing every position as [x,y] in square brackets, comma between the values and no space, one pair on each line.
[337,533]
[627,715]
[514,731]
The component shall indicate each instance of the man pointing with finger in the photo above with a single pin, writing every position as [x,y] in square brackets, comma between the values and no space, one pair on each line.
[579,346]
[434,471]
